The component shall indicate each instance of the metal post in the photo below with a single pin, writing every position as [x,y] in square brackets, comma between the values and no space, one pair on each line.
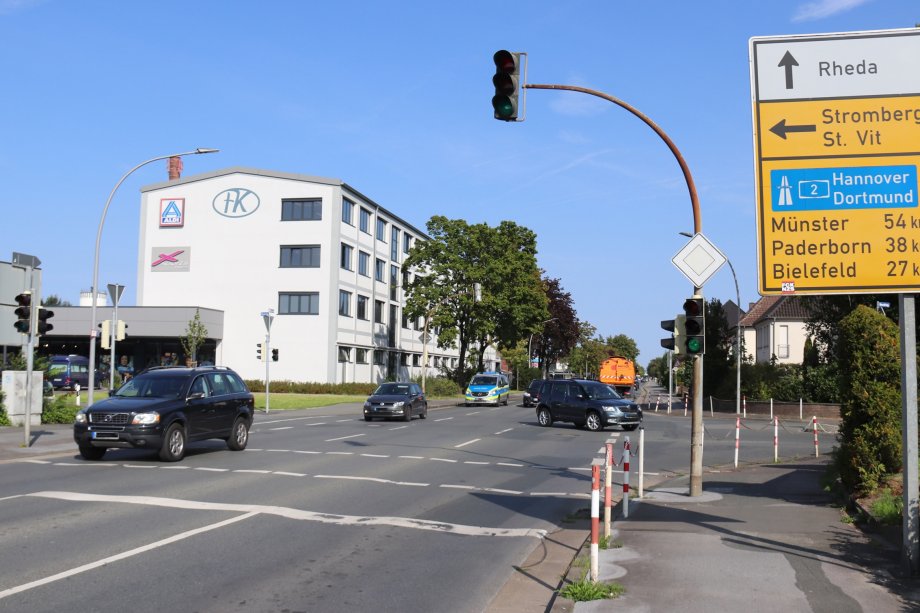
[267,318]
[910,554]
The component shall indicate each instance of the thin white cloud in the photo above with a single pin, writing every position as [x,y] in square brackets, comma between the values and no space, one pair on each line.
[578,104]
[813,11]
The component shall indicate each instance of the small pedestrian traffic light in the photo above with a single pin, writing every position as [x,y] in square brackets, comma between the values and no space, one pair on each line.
[43,326]
[695,326]
[507,85]
[106,334]
[262,357]
[274,355]
[120,330]
[677,329]
[23,323]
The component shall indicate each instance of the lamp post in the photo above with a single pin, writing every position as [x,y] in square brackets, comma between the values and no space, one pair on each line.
[93,289]
[737,333]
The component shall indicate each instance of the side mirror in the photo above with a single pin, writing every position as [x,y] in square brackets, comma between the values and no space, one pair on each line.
[195,396]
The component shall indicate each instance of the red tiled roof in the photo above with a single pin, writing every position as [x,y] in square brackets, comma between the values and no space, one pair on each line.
[775,307]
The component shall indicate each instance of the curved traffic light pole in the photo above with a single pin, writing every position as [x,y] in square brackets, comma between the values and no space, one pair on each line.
[696,431]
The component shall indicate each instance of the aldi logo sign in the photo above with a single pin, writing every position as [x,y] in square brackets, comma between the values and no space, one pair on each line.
[172,212]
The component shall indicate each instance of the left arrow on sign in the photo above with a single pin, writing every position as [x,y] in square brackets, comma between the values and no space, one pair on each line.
[781,129]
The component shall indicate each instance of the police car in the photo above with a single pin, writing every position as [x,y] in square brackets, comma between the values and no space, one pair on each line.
[487,388]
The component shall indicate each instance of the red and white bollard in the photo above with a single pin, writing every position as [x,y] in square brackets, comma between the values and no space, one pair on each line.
[744,406]
[595,512]
[686,402]
[608,484]
[814,425]
[626,477]
[737,438]
[775,440]
[657,400]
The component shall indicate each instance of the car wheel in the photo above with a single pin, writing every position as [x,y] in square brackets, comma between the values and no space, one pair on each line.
[593,421]
[544,417]
[630,427]
[367,418]
[239,435]
[424,413]
[407,414]
[91,453]
[173,448]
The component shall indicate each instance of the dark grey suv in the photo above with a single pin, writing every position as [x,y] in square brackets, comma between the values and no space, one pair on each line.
[587,404]
[162,409]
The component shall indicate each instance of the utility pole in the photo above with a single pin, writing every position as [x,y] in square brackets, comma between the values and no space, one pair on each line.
[268,317]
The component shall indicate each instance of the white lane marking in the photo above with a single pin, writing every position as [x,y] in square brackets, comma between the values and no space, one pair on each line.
[548,494]
[322,423]
[253,471]
[411,457]
[120,556]
[503,431]
[308,452]
[475,440]
[38,461]
[282,428]
[510,464]
[340,453]
[287,474]
[213,470]
[139,465]
[338,421]
[444,419]
[374,479]
[458,487]
[473,413]
[374,455]
[175,467]
[398,428]
[479,463]
[443,460]
[498,491]
[298,514]
[575,468]
[342,438]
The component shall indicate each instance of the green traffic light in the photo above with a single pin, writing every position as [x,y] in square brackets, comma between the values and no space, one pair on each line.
[503,106]
[694,345]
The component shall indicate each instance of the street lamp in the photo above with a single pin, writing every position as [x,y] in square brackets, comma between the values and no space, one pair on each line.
[92,329]
[529,354]
[737,333]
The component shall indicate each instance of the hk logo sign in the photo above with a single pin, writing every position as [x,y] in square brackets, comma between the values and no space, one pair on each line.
[235,202]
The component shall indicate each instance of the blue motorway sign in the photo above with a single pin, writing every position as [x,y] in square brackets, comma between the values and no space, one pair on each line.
[847,188]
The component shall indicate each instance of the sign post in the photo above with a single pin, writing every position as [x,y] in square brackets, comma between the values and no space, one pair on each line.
[837,151]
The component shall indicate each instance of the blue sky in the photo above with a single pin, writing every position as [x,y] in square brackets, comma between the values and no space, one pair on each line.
[394,99]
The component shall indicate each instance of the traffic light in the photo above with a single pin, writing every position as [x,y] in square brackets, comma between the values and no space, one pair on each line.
[106,335]
[120,328]
[24,313]
[274,355]
[43,326]
[507,85]
[677,328]
[262,357]
[695,310]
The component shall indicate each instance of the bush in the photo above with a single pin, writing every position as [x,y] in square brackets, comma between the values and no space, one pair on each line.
[293,387]
[436,387]
[58,410]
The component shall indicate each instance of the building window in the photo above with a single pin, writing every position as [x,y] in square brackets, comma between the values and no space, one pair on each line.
[361,356]
[300,256]
[302,210]
[394,244]
[381,230]
[405,321]
[362,307]
[346,256]
[348,208]
[380,357]
[344,354]
[403,359]
[378,311]
[394,281]
[380,268]
[407,242]
[416,359]
[344,303]
[298,303]
[364,220]
[364,264]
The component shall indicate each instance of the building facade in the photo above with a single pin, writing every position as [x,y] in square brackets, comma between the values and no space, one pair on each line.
[326,261]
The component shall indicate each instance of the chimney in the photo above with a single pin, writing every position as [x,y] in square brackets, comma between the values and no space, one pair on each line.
[174,164]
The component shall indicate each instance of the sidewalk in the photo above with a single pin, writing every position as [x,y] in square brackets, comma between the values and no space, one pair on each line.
[765,537]
[46,440]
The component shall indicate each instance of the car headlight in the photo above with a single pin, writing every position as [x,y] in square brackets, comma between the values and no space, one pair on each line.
[613,410]
[146,419]
[399,404]
[80,417]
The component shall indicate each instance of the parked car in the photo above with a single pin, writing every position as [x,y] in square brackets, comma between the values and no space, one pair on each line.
[532,393]
[164,408]
[487,388]
[402,400]
[588,404]
[65,371]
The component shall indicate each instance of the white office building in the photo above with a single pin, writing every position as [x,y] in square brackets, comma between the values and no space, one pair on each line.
[327,260]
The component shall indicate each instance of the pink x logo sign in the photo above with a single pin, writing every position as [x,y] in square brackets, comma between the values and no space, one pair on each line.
[168,257]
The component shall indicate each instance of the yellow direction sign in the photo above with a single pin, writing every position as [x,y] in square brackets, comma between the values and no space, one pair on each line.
[837,151]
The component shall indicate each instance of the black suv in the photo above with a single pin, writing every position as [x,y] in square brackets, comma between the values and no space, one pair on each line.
[532,394]
[163,408]
[589,404]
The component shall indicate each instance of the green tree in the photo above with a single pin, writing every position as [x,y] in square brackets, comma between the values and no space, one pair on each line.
[555,339]
[622,346]
[719,362]
[588,353]
[458,256]
[195,335]
[54,300]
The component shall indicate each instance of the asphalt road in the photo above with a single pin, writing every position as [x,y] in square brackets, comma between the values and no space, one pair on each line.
[323,512]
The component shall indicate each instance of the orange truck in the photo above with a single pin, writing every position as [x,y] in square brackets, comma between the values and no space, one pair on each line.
[620,373]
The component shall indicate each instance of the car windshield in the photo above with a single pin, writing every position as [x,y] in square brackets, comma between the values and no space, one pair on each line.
[599,391]
[56,368]
[151,387]
[390,389]
[484,380]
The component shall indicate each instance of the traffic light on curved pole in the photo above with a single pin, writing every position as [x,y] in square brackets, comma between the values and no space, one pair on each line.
[695,326]
[507,85]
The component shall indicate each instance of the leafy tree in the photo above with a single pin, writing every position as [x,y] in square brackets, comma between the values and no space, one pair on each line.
[447,267]
[719,362]
[560,335]
[622,346]
[195,335]
[55,300]
[589,352]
